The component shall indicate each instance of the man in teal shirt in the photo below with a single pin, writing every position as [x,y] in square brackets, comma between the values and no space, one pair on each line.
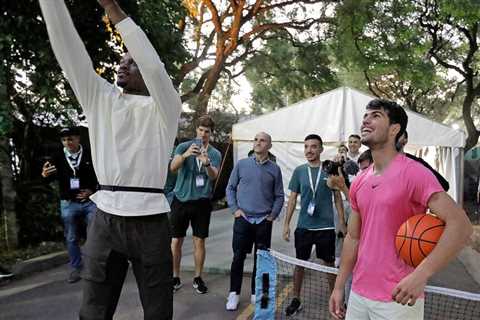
[316,219]
[196,163]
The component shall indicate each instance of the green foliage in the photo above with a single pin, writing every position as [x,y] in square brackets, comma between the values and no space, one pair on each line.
[283,73]
[384,41]
[38,214]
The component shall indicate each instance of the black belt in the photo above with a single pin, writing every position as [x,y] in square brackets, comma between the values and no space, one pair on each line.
[130,189]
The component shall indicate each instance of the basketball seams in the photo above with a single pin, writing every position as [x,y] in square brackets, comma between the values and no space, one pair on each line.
[413,247]
[411,242]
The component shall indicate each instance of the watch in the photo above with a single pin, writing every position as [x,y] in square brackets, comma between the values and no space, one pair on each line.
[207,165]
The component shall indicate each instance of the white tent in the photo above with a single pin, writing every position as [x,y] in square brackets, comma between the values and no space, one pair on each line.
[335,115]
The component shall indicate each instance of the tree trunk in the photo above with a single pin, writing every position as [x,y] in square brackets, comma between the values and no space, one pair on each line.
[8,223]
[472,132]
[210,84]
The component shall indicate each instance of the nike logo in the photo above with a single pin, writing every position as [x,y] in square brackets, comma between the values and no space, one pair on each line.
[374,186]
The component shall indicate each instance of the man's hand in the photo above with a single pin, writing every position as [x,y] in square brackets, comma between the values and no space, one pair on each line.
[84,194]
[113,10]
[337,182]
[342,227]
[239,213]
[409,289]
[270,218]
[48,169]
[203,157]
[286,233]
[336,305]
[193,150]
[106,3]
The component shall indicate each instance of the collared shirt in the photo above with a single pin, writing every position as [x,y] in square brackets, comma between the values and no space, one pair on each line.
[131,135]
[186,188]
[256,189]
[322,217]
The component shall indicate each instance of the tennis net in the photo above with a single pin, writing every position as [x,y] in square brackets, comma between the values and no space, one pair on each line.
[440,303]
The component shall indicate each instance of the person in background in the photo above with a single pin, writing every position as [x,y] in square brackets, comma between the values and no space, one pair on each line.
[73,170]
[196,163]
[354,145]
[255,197]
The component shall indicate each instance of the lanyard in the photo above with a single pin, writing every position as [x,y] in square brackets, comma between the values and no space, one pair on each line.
[199,163]
[314,188]
[67,153]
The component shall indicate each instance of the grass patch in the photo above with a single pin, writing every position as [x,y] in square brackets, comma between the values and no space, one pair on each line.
[10,258]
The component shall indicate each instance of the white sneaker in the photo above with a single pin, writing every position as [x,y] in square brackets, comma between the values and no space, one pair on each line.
[252,299]
[232,301]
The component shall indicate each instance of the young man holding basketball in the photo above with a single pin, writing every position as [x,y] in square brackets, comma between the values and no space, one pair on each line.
[316,217]
[131,133]
[384,287]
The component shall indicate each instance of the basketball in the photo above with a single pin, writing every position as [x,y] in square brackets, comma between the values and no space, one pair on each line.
[417,237]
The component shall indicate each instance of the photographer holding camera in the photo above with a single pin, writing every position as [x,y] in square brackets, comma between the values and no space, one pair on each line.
[197,164]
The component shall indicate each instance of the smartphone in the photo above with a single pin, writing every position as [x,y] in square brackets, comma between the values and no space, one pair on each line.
[198,142]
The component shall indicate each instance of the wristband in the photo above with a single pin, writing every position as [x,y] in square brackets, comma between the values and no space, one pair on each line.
[207,165]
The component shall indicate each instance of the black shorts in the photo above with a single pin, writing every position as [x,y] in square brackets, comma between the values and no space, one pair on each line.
[324,241]
[195,212]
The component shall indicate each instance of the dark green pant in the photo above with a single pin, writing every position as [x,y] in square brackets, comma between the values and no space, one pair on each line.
[113,241]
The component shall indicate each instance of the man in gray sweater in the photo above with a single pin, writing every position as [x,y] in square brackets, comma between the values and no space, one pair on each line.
[255,196]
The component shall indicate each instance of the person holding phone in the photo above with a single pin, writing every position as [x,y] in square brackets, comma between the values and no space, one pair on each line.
[196,163]
[73,169]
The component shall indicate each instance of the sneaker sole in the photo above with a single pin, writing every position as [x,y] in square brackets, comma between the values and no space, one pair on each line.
[296,312]
[195,286]
[176,288]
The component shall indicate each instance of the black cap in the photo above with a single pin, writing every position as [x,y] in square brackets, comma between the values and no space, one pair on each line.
[71,131]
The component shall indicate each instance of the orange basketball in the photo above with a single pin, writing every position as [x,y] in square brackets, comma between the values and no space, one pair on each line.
[417,237]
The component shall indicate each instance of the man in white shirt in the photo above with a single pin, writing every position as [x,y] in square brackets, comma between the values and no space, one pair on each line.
[354,145]
[131,133]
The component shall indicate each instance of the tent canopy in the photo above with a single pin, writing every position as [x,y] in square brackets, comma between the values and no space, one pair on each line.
[337,114]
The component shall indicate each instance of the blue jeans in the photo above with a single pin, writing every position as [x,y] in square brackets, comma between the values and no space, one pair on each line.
[73,213]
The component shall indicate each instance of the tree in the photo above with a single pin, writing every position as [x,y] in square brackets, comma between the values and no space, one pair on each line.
[407,51]
[284,72]
[33,90]
[229,32]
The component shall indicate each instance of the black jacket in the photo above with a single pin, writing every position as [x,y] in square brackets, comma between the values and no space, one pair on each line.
[85,172]
[443,182]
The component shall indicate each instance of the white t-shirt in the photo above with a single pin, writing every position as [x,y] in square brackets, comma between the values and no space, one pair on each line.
[131,136]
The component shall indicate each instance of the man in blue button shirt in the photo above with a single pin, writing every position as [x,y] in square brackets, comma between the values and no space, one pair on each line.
[316,218]
[255,196]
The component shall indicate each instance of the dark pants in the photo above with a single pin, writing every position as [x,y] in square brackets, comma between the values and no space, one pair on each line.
[245,235]
[112,242]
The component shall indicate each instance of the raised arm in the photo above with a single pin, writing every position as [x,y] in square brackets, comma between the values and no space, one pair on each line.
[151,67]
[70,52]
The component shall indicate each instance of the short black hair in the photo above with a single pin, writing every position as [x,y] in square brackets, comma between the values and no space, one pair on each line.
[396,114]
[366,155]
[354,136]
[314,137]
[406,134]
[342,146]
[69,131]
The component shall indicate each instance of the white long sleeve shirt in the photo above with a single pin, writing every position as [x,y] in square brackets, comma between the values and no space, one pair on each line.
[131,136]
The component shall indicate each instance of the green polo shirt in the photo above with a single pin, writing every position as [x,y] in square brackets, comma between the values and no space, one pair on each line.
[185,187]
[322,217]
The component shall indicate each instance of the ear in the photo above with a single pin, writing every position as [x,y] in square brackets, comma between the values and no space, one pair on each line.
[394,129]
[321,148]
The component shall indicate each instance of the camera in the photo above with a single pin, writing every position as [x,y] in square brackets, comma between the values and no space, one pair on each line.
[331,167]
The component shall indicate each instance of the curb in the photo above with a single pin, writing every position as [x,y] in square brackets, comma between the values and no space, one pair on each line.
[41,263]
[470,258]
